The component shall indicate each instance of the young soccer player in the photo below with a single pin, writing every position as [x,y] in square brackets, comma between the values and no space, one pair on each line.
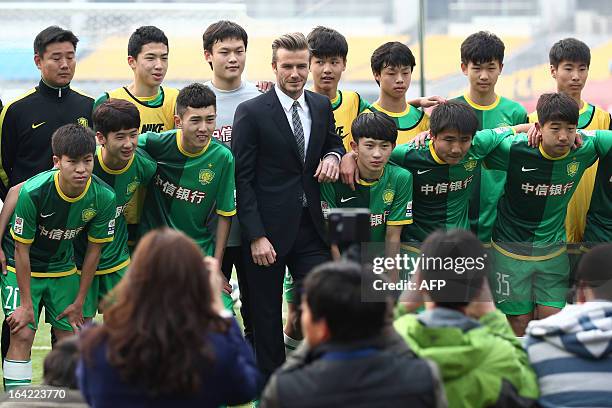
[531,267]
[328,51]
[195,175]
[569,66]
[124,167]
[392,64]
[52,209]
[148,57]
[225,46]
[482,61]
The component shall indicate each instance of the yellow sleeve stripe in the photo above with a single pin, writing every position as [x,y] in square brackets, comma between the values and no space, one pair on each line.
[20,239]
[226,213]
[99,240]
[404,222]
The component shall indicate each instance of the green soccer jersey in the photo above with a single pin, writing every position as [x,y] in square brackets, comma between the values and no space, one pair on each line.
[441,192]
[187,186]
[50,221]
[599,217]
[139,171]
[531,212]
[389,199]
[488,183]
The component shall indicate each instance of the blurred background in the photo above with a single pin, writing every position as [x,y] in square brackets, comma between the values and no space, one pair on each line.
[527,27]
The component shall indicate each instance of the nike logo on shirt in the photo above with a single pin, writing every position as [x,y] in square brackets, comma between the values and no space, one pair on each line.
[423,171]
[524,169]
[46,215]
[344,200]
[37,125]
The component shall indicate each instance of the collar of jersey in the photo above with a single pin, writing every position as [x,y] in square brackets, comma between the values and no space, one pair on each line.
[64,196]
[179,137]
[585,107]
[546,156]
[436,158]
[393,114]
[482,107]
[109,170]
[337,101]
[370,183]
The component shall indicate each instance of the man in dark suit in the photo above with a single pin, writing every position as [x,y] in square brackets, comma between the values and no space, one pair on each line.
[284,143]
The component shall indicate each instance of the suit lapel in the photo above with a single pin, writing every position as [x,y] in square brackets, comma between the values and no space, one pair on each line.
[313,143]
[280,119]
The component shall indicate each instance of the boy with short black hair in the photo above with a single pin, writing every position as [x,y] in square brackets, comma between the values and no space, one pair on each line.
[570,60]
[53,208]
[531,265]
[328,52]
[225,50]
[120,164]
[195,175]
[392,64]
[482,61]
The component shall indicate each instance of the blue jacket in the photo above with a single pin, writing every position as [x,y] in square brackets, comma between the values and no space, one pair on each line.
[571,353]
[232,379]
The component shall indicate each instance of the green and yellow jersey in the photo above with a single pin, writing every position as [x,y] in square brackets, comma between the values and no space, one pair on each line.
[156,112]
[409,123]
[138,171]
[347,105]
[489,184]
[441,192]
[50,221]
[532,210]
[156,115]
[188,186]
[388,198]
[591,118]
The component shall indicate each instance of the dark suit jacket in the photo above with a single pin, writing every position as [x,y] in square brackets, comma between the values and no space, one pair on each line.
[270,175]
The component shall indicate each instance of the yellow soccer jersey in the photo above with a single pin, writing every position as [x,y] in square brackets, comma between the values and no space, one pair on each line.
[409,123]
[154,117]
[346,106]
[591,118]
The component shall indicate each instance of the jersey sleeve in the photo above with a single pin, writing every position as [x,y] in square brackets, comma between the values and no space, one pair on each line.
[102,226]
[24,219]
[424,125]
[148,167]
[485,141]
[226,194]
[499,158]
[398,155]
[603,142]
[8,145]
[520,116]
[363,104]
[99,101]
[328,198]
[401,209]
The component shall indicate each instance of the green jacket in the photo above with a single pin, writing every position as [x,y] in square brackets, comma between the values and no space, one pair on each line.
[481,362]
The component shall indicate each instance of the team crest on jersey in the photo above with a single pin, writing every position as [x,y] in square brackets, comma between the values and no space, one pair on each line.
[88,214]
[470,165]
[206,176]
[388,196]
[18,227]
[409,209]
[133,186]
[83,122]
[572,168]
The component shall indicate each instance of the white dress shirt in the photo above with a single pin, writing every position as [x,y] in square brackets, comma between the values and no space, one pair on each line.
[303,112]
